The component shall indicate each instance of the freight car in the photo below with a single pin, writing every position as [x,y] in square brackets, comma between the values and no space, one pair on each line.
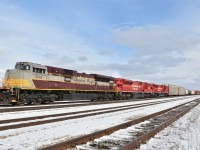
[35,83]
[187,92]
[197,92]
[174,90]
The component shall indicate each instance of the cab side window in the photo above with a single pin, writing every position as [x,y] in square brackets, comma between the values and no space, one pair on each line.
[38,70]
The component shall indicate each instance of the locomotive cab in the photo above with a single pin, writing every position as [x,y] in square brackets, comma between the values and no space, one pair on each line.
[31,67]
[20,78]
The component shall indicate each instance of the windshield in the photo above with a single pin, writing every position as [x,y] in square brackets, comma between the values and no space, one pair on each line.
[22,67]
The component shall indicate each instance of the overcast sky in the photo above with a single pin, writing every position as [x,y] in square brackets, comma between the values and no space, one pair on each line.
[149,40]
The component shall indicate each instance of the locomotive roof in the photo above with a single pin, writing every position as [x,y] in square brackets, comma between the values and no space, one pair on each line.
[102,76]
[33,64]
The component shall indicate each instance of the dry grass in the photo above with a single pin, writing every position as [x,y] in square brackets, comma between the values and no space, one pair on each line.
[134,117]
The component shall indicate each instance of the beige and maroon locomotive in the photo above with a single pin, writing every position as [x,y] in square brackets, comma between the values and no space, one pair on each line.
[35,83]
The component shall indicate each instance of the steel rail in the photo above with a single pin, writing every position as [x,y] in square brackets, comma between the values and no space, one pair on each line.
[137,142]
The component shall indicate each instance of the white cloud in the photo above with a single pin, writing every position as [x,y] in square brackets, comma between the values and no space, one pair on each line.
[32,39]
[164,54]
[157,53]
[156,38]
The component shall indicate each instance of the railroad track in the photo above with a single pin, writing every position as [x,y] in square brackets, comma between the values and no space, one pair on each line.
[32,121]
[129,135]
[75,104]
[76,101]
[53,106]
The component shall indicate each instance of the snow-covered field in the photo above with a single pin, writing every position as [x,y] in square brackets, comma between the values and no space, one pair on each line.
[38,136]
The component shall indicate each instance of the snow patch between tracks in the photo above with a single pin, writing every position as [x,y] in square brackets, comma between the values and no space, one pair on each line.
[183,134]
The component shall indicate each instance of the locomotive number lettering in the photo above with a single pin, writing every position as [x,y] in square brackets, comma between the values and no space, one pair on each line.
[38,76]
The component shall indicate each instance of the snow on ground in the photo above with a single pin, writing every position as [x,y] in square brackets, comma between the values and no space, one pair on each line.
[183,134]
[42,112]
[41,135]
[49,118]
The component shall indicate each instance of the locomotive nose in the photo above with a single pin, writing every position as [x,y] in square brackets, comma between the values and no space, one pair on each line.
[7,79]
[9,72]
[8,76]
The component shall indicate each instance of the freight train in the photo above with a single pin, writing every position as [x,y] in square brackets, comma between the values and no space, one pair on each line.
[32,83]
